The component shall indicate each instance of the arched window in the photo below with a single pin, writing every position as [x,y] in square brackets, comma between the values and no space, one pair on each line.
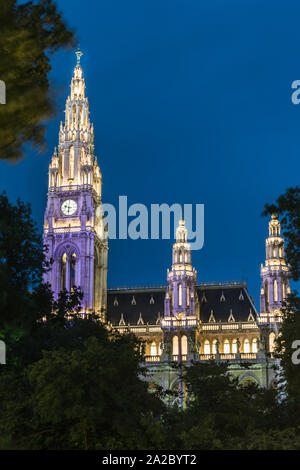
[187,296]
[184,345]
[214,346]
[206,347]
[275,291]
[180,256]
[186,257]
[234,346]
[226,347]
[246,346]
[72,270]
[272,341]
[153,349]
[63,271]
[274,252]
[175,345]
[180,295]
[280,252]
[254,345]
[71,162]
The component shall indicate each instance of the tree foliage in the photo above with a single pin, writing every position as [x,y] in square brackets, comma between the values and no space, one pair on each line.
[287,206]
[29,33]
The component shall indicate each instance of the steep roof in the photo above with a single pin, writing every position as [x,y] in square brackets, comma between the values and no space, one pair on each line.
[220,302]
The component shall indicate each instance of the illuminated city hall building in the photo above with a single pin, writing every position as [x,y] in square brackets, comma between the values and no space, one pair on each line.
[181,321]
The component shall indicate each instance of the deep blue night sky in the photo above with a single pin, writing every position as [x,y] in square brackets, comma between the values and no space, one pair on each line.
[191,102]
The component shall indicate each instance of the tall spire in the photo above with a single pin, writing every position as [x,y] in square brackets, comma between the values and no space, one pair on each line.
[78,54]
[75,162]
[275,273]
[180,297]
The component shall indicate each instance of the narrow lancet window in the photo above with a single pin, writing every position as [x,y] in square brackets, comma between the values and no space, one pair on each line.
[72,270]
[71,163]
[63,272]
[275,291]
[180,295]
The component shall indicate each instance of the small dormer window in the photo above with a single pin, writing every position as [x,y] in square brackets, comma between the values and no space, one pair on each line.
[251,317]
[222,298]
[151,300]
[116,303]
[212,318]
[133,302]
[231,317]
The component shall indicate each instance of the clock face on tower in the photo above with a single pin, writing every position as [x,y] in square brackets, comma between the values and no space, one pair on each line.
[69,207]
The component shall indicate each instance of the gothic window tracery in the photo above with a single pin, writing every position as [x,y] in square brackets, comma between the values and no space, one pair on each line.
[206,347]
[175,346]
[226,347]
[184,345]
[153,349]
[246,346]
[272,341]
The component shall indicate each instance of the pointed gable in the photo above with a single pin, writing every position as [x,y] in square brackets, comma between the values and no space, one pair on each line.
[231,317]
[212,318]
[251,317]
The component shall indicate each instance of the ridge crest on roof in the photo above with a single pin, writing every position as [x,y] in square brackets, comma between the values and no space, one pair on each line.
[164,286]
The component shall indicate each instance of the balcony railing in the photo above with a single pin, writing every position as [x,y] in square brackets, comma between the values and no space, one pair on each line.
[183,357]
[68,229]
[268,319]
[173,323]
[70,187]
[152,358]
[228,326]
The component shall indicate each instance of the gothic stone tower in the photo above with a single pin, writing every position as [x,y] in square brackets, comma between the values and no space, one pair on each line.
[180,316]
[275,273]
[74,228]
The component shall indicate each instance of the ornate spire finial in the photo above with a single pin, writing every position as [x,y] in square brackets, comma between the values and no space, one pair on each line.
[78,54]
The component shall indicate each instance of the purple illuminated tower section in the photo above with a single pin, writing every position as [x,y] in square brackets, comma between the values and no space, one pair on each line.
[74,228]
[275,273]
[180,295]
